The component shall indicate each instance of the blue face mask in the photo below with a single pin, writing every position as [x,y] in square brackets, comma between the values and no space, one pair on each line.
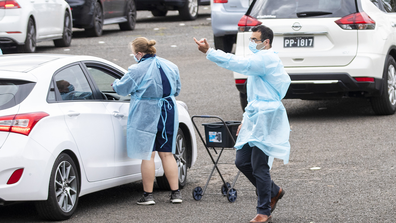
[253,47]
[70,88]
[134,57]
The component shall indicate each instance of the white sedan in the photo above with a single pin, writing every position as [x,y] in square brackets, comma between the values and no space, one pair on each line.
[56,147]
[23,23]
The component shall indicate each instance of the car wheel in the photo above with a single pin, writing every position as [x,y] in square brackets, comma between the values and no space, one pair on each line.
[97,28]
[181,160]
[190,10]
[30,41]
[131,17]
[224,43]
[243,100]
[386,103]
[67,33]
[157,12]
[63,190]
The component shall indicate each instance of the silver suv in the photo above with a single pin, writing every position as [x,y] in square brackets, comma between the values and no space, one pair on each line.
[330,48]
[225,16]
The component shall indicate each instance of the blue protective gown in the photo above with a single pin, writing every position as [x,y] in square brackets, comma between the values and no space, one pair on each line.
[143,81]
[265,122]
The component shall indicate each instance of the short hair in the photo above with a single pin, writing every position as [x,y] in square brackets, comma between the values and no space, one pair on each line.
[142,44]
[266,33]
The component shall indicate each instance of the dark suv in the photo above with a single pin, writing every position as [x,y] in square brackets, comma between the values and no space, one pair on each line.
[93,14]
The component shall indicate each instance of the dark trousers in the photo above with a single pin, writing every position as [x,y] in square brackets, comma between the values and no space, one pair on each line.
[253,163]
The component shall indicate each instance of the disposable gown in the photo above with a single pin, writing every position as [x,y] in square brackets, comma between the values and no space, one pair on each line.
[265,122]
[143,82]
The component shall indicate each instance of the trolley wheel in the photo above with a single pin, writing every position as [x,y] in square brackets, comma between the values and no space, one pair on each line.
[197,193]
[225,188]
[232,195]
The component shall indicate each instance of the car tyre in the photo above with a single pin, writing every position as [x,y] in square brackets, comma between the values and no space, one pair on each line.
[385,104]
[159,13]
[63,193]
[181,160]
[30,41]
[224,43]
[131,17]
[67,33]
[190,10]
[97,22]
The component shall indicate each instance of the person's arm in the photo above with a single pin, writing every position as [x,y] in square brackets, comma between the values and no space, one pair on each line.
[126,85]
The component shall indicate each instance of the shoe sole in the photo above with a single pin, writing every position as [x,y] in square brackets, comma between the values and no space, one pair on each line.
[176,201]
[146,203]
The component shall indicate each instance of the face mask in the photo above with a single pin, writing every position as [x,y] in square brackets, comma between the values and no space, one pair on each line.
[253,47]
[70,88]
[134,57]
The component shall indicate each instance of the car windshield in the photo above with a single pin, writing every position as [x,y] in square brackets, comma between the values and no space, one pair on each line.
[283,9]
[13,92]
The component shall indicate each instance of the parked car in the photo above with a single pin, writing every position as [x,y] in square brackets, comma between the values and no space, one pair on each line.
[25,23]
[225,17]
[57,147]
[330,48]
[91,15]
[188,9]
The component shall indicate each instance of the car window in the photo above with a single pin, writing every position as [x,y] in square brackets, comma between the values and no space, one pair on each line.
[72,84]
[13,92]
[104,78]
[280,9]
[389,5]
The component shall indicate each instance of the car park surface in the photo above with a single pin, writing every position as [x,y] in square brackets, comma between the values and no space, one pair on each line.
[327,48]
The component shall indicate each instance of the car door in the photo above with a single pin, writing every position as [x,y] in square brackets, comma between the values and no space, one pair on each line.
[55,16]
[40,17]
[88,121]
[103,76]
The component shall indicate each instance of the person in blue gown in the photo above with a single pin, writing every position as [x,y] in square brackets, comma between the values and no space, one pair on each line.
[153,121]
[264,132]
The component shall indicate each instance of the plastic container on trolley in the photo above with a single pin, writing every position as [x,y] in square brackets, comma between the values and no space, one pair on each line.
[218,134]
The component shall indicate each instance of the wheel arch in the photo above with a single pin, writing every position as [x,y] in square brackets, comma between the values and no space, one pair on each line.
[187,135]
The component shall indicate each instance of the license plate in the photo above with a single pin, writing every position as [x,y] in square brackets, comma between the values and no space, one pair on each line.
[298,42]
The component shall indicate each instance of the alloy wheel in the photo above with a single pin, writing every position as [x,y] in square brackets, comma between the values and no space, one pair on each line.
[392,84]
[65,186]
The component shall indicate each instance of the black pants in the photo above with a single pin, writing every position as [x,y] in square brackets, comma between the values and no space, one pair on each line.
[253,163]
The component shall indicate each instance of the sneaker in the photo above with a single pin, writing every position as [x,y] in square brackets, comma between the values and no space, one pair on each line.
[176,198]
[146,200]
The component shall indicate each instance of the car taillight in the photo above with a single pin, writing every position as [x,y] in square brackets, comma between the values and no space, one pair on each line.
[22,123]
[220,1]
[240,81]
[355,21]
[9,4]
[247,22]
[15,177]
[364,79]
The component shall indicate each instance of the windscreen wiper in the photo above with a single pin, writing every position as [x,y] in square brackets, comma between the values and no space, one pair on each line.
[312,13]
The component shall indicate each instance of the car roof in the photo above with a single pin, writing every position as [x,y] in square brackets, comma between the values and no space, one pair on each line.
[27,62]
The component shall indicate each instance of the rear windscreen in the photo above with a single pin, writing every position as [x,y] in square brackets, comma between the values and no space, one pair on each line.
[13,92]
[284,9]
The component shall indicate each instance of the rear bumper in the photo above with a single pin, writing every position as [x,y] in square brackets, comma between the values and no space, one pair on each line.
[327,85]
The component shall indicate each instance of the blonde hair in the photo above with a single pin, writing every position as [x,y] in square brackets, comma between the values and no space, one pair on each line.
[142,44]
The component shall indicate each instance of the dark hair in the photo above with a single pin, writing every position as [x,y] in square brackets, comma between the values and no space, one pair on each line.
[266,33]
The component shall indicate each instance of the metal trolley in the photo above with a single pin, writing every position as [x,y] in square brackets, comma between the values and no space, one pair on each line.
[218,134]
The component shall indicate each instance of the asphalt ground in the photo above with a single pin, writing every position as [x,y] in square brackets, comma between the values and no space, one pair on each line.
[342,161]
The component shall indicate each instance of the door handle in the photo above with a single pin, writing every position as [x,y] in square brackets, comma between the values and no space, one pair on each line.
[118,115]
[72,113]
[393,25]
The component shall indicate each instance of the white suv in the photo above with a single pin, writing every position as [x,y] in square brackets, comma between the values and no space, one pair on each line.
[330,48]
